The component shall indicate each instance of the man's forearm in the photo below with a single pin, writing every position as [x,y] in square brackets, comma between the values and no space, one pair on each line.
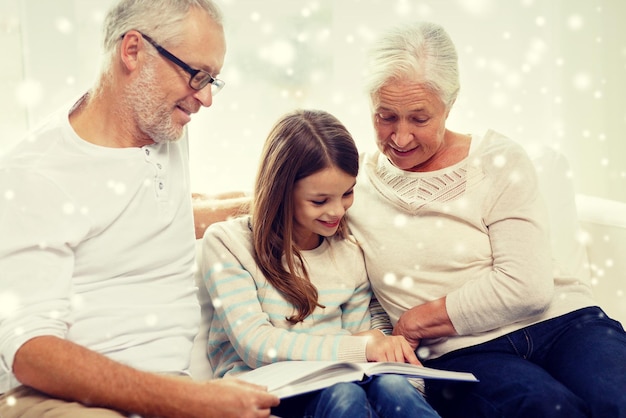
[68,371]
[64,370]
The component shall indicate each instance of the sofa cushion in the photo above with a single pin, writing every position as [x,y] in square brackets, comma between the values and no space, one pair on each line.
[200,368]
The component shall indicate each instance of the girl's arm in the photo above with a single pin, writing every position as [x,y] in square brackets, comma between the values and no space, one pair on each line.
[248,308]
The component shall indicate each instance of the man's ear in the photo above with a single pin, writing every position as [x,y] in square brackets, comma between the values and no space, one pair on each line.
[132,44]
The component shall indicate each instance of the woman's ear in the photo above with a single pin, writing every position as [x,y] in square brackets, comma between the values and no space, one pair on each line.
[449,108]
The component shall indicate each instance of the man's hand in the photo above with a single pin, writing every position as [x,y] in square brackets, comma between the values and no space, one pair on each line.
[234,398]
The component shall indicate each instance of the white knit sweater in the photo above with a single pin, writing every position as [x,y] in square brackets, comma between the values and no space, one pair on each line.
[476,232]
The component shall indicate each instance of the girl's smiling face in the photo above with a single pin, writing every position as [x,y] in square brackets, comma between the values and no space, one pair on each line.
[320,202]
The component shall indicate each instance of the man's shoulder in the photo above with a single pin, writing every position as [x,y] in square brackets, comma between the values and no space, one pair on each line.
[35,144]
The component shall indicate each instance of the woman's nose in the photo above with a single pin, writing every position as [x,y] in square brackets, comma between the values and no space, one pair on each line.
[402,136]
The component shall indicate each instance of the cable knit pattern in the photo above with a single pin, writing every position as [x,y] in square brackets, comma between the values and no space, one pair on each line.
[411,191]
[417,191]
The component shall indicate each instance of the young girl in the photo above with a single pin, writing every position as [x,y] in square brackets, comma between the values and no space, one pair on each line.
[288,283]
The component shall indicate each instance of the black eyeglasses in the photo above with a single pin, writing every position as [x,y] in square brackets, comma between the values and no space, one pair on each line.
[198,79]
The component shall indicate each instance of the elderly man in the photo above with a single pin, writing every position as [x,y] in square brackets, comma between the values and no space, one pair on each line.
[97,247]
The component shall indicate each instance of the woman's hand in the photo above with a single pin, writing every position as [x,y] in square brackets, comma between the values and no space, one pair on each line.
[381,347]
[408,327]
[429,320]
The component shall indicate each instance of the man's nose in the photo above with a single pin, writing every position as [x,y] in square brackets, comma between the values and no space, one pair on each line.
[204,96]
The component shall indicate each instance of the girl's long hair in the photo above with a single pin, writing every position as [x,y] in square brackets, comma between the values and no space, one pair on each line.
[301,143]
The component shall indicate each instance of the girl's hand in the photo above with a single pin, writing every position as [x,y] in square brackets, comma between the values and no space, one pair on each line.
[381,347]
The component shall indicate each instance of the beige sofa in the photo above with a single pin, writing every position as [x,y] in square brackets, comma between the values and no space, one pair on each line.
[603,228]
[588,239]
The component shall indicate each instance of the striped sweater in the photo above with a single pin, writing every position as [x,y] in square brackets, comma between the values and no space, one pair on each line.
[249,327]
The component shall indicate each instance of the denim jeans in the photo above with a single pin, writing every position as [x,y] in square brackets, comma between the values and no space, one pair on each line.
[570,366]
[384,396]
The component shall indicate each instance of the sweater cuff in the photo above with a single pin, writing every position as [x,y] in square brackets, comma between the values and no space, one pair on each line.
[352,348]
[455,314]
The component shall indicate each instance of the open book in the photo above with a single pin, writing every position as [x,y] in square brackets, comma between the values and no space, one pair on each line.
[290,378]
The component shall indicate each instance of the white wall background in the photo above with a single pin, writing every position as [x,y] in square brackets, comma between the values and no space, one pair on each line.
[547,72]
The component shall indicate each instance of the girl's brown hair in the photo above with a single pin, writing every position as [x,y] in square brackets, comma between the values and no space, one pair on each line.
[301,143]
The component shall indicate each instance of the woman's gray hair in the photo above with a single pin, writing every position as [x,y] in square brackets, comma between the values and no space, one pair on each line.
[420,52]
[162,20]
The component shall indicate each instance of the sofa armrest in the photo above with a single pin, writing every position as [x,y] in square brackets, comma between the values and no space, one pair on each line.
[603,225]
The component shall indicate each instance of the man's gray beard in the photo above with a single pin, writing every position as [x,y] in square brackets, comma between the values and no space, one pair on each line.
[154,118]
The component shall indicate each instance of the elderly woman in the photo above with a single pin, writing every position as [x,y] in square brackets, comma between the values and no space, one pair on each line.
[456,240]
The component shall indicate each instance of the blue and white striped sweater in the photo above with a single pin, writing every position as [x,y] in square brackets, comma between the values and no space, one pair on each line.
[249,328]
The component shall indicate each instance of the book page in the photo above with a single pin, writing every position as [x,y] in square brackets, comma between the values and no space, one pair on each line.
[318,381]
[288,378]
[279,374]
[414,371]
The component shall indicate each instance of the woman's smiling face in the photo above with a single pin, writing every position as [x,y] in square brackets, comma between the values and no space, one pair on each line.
[410,124]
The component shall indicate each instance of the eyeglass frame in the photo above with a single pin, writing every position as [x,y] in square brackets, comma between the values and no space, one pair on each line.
[216,83]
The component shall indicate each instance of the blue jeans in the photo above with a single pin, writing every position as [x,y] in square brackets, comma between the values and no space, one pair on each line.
[382,396]
[570,366]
